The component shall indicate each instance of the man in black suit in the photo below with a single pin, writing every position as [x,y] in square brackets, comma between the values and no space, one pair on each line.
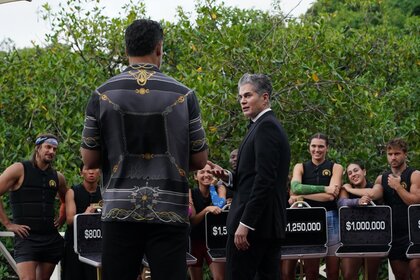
[257,217]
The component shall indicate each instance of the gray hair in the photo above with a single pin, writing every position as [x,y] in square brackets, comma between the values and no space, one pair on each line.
[260,82]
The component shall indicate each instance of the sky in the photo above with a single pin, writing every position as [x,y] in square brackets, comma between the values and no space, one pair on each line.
[21,21]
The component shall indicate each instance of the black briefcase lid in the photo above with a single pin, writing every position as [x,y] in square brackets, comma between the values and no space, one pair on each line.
[413,250]
[365,231]
[306,233]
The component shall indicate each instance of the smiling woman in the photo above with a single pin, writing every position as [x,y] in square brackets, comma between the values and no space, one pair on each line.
[358,193]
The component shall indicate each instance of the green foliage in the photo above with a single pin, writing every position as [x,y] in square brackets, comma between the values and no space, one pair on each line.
[46,89]
[356,85]
[355,82]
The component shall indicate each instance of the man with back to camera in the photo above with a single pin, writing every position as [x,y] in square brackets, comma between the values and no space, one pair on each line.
[33,187]
[257,216]
[143,129]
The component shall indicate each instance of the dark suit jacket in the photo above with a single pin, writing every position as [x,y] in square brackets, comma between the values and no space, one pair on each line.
[260,180]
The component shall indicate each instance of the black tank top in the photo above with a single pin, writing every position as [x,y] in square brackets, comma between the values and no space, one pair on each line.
[82,199]
[33,203]
[319,175]
[200,202]
[391,198]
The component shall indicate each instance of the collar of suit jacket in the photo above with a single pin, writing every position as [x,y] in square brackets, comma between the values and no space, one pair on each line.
[260,114]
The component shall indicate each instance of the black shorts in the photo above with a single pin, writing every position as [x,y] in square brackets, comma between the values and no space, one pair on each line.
[39,247]
[399,247]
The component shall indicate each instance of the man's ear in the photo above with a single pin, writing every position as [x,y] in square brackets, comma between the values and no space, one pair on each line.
[159,49]
[266,97]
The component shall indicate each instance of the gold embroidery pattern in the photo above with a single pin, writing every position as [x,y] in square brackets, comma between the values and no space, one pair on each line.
[122,214]
[91,142]
[142,91]
[179,100]
[198,144]
[141,75]
[115,167]
[147,156]
[106,98]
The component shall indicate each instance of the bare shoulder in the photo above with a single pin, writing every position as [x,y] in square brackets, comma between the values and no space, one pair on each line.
[338,167]
[378,180]
[297,172]
[62,185]
[61,177]
[69,194]
[12,177]
[415,177]
[16,167]
[298,167]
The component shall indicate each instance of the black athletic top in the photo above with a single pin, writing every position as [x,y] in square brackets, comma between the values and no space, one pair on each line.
[82,199]
[33,203]
[319,175]
[399,208]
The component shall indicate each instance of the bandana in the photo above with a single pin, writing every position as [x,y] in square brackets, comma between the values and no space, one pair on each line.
[45,139]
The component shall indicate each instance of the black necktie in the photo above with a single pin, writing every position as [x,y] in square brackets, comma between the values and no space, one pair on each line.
[250,124]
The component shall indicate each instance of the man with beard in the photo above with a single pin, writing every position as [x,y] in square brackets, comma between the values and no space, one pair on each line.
[33,187]
[399,188]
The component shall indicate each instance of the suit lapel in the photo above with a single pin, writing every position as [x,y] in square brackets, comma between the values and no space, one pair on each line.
[253,127]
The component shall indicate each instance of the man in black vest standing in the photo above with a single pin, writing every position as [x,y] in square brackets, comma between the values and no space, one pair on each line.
[33,187]
[257,217]
[399,187]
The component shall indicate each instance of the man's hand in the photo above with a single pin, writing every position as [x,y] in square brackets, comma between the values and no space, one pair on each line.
[394,181]
[218,171]
[21,230]
[240,239]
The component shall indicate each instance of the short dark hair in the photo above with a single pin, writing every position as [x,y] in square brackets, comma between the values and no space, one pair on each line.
[142,36]
[260,82]
[358,163]
[319,136]
[397,143]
